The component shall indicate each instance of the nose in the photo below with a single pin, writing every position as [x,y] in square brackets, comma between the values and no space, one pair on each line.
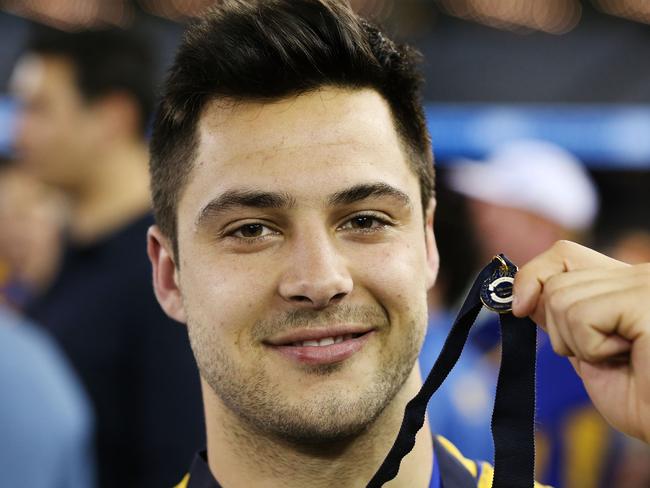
[317,275]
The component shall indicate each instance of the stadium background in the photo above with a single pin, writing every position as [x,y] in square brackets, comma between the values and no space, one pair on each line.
[575,73]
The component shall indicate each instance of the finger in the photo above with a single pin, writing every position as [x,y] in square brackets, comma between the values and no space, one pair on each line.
[558,318]
[563,291]
[599,348]
[560,346]
[590,281]
[539,314]
[597,326]
[561,257]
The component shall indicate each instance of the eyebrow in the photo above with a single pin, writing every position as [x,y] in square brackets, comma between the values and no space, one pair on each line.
[244,199]
[362,191]
[250,198]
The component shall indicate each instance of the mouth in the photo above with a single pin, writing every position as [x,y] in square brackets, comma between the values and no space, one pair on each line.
[314,347]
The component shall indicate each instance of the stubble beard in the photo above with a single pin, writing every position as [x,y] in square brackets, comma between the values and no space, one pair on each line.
[331,416]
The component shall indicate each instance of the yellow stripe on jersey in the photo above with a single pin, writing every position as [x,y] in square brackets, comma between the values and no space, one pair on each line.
[184,482]
[487,471]
[484,481]
[453,450]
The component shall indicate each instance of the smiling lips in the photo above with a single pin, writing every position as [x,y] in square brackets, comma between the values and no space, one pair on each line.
[314,347]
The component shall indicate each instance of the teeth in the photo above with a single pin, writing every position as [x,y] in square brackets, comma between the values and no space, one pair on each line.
[326,341]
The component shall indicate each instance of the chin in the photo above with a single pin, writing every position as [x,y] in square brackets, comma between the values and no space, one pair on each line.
[325,425]
[325,416]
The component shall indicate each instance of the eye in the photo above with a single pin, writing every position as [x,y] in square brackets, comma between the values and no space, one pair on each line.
[365,222]
[252,231]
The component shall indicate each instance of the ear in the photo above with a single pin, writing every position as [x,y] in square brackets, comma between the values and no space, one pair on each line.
[165,274]
[433,260]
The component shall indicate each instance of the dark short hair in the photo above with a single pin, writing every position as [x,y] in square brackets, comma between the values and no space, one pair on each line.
[104,62]
[266,50]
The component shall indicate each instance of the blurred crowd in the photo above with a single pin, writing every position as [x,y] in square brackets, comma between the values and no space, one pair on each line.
[75,209]
[520,199]
[100,387]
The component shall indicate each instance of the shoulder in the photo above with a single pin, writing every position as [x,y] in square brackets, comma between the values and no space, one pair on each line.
[459,472]
[34,372]
[44,409]
[184,482]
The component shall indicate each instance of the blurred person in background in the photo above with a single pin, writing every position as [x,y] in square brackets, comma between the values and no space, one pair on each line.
[45,417]
[86,99]
[32,218]
[525,196]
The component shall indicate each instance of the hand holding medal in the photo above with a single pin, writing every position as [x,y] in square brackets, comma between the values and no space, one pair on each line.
[597,312]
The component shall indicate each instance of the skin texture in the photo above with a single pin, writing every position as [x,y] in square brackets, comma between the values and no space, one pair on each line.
[250,275]
[596,312]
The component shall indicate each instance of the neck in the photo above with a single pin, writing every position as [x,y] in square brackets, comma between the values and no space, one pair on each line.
[239,457]
[115,192]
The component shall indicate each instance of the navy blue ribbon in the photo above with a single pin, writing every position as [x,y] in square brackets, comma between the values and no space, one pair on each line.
[514,408]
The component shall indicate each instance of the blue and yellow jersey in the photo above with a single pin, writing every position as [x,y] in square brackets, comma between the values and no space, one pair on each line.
[451,470]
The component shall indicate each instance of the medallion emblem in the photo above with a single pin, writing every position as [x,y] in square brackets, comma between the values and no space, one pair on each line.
[496,291]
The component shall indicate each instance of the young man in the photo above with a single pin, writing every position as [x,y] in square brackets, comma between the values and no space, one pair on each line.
[292,182]
[86,99]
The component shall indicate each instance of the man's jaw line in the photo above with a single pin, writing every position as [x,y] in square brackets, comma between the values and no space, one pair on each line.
[285,453]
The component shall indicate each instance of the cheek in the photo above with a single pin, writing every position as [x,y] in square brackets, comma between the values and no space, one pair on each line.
[226,297]
[396,276]
[60,150]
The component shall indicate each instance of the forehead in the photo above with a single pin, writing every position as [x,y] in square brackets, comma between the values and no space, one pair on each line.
[326,115]
[307,145]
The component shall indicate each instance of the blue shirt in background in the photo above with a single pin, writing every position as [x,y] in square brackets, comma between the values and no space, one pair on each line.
[45,420]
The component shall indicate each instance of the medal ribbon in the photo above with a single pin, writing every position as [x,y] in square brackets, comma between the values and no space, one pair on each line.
[513,415]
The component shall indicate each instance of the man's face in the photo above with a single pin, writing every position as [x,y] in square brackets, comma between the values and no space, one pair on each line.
[55,133]
[304,261]
[31,219]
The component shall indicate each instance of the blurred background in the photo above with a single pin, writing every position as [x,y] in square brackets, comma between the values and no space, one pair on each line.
[572,73]
[569,71]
